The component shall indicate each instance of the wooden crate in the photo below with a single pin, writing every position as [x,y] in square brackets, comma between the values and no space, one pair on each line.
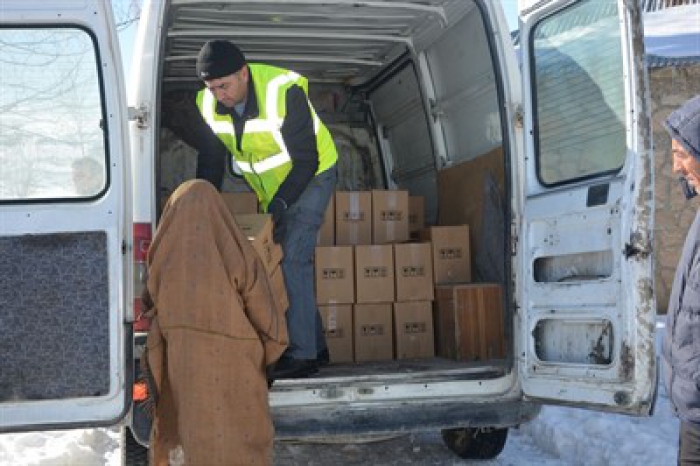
[469,321]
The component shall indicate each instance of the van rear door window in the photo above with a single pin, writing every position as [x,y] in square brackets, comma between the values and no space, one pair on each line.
[53,144]
[580,127]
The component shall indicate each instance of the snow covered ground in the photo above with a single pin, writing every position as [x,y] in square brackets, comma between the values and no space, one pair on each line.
[559,436]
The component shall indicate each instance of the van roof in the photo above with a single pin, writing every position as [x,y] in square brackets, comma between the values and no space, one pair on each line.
[334,41]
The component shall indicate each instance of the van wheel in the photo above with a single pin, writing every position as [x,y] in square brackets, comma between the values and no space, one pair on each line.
[133,453]
[483,444]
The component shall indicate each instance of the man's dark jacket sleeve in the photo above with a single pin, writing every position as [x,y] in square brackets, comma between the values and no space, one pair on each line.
[300,138]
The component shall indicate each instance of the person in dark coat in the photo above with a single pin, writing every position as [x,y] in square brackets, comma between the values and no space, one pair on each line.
[681,346]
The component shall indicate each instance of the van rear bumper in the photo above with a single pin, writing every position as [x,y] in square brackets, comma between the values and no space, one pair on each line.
[399,417]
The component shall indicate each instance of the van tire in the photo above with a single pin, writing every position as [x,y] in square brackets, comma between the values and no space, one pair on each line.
[133,453]
[469,443]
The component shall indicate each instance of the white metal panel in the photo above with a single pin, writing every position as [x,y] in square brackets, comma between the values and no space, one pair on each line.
[109,213]
[335,41]
[603,215]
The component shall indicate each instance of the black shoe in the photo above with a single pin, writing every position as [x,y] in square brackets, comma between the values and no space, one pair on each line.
[291,368]
[323,358]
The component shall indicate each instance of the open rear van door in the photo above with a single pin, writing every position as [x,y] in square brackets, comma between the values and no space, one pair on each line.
[585,295]
[64,217]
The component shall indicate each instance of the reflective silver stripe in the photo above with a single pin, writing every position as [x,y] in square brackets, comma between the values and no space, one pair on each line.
[277,135]
[218,126]
[260,126]
[265,165]
[208,105]
[273,90]
[272,162]
[244,166]
[317,120]
[236,166]
[272,124]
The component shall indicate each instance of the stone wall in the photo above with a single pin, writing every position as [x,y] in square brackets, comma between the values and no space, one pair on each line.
[670,87]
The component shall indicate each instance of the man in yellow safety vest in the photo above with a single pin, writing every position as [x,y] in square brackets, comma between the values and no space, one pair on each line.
[263,116]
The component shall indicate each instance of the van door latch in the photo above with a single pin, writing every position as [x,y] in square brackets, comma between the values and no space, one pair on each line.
[639,245]
[139,115]
[519,117]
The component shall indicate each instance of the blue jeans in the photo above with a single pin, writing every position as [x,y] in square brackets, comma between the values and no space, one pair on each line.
[302,221]
[689,443]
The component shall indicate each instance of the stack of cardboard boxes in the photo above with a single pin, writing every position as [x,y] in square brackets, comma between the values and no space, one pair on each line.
[388,287]
[373,291]
[375,286]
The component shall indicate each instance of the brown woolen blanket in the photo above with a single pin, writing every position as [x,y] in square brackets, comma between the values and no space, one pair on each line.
[215,327]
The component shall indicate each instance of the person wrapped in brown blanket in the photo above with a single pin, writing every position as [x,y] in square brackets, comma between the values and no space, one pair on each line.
[215,327]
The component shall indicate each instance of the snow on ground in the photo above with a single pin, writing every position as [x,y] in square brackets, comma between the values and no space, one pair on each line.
[577,436]
[559,436]
[80,447]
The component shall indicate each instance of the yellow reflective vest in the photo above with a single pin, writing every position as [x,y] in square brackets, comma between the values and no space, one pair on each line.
[263,159]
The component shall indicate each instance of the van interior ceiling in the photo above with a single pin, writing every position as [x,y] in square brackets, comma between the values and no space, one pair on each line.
[410,93]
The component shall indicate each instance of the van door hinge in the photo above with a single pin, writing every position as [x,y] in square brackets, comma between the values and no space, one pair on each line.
[139,115]
[436,110]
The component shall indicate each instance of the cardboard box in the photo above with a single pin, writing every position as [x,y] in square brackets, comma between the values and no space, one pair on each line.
[373,332]
[335,275]
[413,269]
[451,255]
[463,194]
[241,203]
[353,217]
[337,327]
[279,288]
[326,235]
[413,330]
[258,229]
[389,216]
[469,321]
[416,213]
[374,274]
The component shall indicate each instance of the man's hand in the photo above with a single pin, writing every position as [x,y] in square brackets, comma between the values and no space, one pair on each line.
[277,207]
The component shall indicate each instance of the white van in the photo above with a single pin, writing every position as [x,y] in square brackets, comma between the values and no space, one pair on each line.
[549,162]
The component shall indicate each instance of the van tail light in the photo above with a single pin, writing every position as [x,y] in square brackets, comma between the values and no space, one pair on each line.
[142,240]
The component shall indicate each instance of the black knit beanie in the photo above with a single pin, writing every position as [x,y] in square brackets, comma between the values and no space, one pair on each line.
[218,58]
[684,126]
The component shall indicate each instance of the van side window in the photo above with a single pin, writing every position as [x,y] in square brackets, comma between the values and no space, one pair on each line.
[51,111]
[578,93]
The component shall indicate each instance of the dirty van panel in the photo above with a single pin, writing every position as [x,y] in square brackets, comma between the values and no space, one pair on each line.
[466,88]
[587,283]
[64,210]
[398,105]
[444,140]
